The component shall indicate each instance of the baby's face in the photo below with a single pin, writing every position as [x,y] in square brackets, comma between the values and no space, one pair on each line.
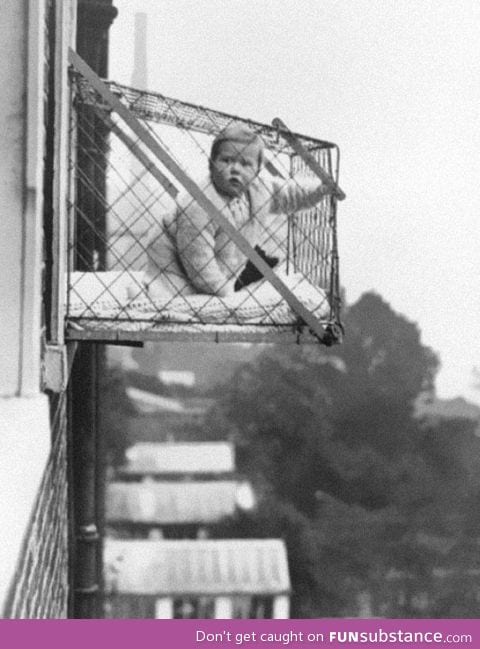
[234,167]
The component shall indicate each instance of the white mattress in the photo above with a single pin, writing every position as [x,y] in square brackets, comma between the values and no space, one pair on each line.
[119,298]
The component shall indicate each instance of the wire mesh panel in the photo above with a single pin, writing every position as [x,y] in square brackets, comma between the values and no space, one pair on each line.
[191,223]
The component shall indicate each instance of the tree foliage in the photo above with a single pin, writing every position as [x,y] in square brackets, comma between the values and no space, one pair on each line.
[116,410]
[336,420]
[315,423]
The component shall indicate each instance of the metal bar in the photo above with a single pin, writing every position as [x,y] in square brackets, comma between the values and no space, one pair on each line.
[155,107]
[196,193]
[199,333]
[309,160]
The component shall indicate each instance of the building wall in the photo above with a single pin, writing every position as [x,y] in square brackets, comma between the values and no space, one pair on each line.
[12,194]
[40,586]
[33,432]
[24,451]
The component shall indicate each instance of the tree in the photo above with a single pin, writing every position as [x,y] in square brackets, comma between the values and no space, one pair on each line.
[116,410]
[340,423]
[336,420]
[315,584]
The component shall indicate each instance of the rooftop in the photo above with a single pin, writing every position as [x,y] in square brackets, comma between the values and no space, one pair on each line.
[170,503]
[185,457]
[185,567]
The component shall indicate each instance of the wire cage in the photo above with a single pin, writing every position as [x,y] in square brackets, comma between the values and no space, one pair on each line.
[157,252]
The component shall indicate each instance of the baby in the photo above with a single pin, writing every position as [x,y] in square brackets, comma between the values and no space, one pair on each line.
[194,255]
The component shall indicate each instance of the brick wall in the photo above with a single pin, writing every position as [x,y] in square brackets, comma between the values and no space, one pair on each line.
[40,589]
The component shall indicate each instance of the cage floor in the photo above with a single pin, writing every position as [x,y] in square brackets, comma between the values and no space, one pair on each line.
[128,332]
[103,308]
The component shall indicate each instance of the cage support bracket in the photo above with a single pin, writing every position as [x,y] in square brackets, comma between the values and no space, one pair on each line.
[196,193]
[55,368]
[57,365]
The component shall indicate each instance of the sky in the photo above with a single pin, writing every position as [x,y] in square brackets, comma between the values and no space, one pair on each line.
[396,84]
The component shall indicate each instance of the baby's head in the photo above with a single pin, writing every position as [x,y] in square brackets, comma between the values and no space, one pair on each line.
[235,159]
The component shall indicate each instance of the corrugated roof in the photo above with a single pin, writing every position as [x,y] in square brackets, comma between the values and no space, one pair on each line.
[185,457]
[186,567]
[172,502]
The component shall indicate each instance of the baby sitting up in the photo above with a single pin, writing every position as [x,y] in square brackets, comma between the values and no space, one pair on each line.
[192,254]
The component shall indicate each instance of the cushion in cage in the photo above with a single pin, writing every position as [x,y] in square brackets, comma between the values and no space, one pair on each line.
[115,296]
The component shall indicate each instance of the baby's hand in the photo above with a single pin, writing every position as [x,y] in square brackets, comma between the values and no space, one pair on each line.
[333,189]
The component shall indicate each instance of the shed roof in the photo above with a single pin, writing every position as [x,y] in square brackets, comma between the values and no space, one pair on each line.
[186,567]
[186,457]
[168,503]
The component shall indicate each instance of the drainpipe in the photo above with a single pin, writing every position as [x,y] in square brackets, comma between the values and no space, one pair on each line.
[94,18]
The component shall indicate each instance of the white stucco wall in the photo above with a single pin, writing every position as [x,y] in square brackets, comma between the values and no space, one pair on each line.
[25,434]
[24,410]
[24,449]
[13,44]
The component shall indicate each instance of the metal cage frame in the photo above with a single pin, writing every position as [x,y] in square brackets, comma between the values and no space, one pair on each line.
[138,109]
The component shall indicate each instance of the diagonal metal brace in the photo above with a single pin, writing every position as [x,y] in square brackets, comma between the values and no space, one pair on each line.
[196,193]
[148,164]
[307,157]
